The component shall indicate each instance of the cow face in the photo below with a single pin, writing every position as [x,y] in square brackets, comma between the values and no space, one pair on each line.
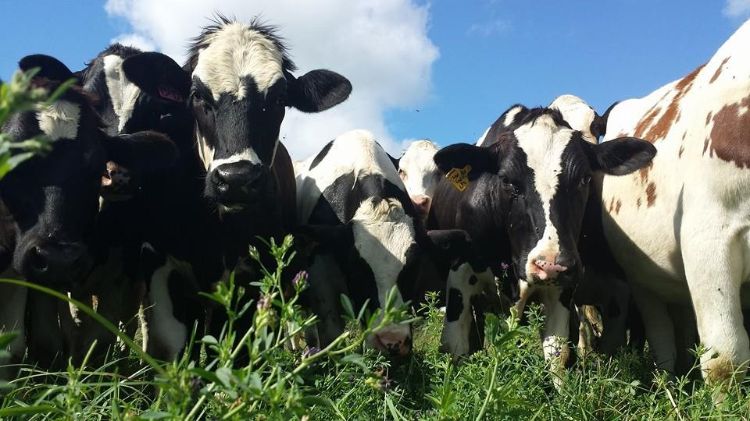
[53,198]
[543,169]
[381,249]
[419,174]
[241,84]
[138,91]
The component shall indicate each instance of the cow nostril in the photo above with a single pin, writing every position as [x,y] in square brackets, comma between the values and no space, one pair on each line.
[37,259]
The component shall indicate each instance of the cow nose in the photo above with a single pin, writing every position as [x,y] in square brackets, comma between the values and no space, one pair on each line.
[56,262]
[547,270]
[236,181]
[422,204]
[393,343]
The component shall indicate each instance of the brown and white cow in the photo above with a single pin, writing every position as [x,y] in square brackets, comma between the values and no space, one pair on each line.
[680,228]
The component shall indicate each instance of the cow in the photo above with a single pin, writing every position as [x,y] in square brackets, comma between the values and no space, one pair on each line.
[522,200]
[235,85]
[143,216]
[352,201]
[678,227]
[50,203]
[419,174]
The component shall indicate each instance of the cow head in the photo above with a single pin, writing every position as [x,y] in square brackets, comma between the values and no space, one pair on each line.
[53,198]
[241,83]
[541,169]
[138,91]
[380,249]
[419,174]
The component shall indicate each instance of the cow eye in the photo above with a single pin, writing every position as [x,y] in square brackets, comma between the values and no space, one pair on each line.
[585,181]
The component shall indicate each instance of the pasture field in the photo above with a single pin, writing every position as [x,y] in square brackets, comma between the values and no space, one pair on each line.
[257,375]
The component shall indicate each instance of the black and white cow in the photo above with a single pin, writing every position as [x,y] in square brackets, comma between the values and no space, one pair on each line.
[50,204]
[525,202]
[143,216]
[353,202]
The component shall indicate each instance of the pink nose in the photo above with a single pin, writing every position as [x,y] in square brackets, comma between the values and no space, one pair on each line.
[422,204]
[393,343]
[545,270]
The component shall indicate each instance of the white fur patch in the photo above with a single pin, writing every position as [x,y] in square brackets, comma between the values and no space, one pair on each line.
[354,152]
[234,52]
[544,142]
[122,92]
[511,115]
[455,336]
[577,113]
[246,155]
[167,333]
[418,170]
[60,120]
[383,233]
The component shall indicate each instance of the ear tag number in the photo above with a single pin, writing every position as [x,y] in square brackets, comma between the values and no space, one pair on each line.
[459,177]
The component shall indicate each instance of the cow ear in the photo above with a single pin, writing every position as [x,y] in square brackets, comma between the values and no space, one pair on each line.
[395,161]
[142,151]
[317,90]
[158,75]
[450,244]
[620,156]
[49,67]
[461,155]
[334,238]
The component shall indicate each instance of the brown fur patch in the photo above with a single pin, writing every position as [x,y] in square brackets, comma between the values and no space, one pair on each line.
[617,207]
[638,203]
[611,205]
[650,194]
[645,122]
[708,117]
[660,129]
[682,149]
[643,172]
[705,146]
[718,70]
[730,134]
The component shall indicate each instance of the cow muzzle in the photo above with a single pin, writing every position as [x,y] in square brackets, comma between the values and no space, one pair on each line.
[422,205]
[236,185]
[393,340]
[551,270]
[117,184]
[56,263]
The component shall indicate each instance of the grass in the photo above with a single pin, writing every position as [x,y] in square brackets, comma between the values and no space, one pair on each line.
[506,380]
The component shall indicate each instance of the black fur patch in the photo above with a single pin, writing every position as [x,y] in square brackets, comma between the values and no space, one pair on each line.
[455,305]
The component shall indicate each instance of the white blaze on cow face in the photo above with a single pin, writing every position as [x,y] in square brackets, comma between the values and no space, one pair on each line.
[123,93]
[233,53]
[419,173]
[543,141]
[577,113]
[60,120]
[248,155]
[383,234]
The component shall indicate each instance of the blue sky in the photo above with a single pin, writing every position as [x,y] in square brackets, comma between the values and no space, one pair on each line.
[492,53]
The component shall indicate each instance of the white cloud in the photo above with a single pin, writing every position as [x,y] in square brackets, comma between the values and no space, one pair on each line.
[737,8]
[382,47]
[135,40]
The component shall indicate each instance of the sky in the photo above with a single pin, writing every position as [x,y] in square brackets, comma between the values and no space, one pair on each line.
[442,69]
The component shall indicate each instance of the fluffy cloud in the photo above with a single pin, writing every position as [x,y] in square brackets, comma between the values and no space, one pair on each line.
[737,8]
[382,47]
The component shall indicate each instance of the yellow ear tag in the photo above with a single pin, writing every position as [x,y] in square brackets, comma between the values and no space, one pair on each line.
[459,177]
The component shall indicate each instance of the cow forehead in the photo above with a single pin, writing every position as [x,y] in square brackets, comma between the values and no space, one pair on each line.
[577,113]
[419,154]
[122,92]
[543,141]
[60,120]
[233,53]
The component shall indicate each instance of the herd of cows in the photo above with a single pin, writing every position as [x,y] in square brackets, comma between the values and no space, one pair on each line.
[162,176]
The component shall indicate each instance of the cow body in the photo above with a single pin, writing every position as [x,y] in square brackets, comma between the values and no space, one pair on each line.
[679,227]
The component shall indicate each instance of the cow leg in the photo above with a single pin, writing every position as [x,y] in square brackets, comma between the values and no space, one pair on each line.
[325,286]
[463,285]
[12,311]
[555,333]
[525,292]
[714,279]
[589,327]
[659,328]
